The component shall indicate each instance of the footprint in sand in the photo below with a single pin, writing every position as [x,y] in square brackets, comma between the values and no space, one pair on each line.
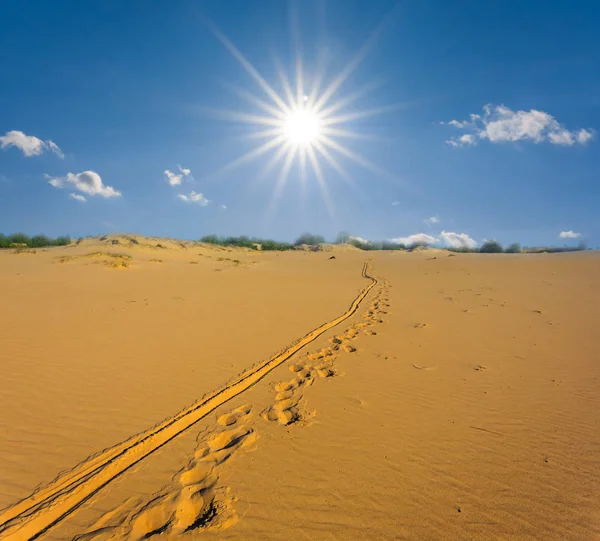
[192,501]
[421,367]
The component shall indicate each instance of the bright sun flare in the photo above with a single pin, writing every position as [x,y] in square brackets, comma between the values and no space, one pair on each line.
[302,125]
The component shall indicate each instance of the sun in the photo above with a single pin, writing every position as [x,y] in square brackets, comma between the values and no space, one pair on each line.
[302,127]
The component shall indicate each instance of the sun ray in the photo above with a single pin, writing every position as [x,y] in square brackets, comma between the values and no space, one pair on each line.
[236,116]
[281,180]
[305,122]
[356,157]
[355,62]
[303,167]
[367,113]
[298,53]
[276,158]
[349,134]
[249,68]
[248,157]
[321,181]
[344,102]
[333,162]
[251,98]
[262,134]
[321,62]
[287,88]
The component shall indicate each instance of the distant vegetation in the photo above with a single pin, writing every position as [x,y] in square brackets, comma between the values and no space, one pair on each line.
[20,240]
[494,247]
[310,239]
[247,242]
[491,247]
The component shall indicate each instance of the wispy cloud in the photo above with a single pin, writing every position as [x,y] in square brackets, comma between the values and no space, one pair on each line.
[77,197]
[29,145]
[432,220]
[174,179]
[194,197]
[87,182]
[500,124]
[223,207]
[457,240]
[569,235]
[395,203]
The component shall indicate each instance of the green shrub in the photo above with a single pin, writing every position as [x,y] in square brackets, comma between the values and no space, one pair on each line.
[273,245]
[514,248]
[310,239]
[37,241]
[491,247]
[210,239]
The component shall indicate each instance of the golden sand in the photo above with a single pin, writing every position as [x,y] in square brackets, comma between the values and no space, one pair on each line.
[188,391]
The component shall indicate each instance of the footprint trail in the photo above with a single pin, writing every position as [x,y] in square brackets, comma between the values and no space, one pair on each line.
[51,503]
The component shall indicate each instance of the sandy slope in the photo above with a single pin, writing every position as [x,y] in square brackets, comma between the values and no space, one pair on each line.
[459,402]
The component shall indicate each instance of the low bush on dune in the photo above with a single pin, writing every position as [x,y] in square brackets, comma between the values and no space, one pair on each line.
[273,245]
[21,240]
[514,248]
[310,239]
[556,249]
[253,243]
[491,247]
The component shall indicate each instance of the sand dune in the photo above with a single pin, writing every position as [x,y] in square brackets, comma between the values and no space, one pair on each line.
[447,398]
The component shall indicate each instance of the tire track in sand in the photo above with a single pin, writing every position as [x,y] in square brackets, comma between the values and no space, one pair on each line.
[34,515]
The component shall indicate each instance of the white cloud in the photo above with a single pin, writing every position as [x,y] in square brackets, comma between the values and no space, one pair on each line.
[223,207]
[359,239]
[418,238]
[395,203]
[432,220]
[457,240]
[174,179]
[583,136]
[194,197]
[29,145]
[87,182]
[569,235]
[55,182]
[77,197]
[500,124]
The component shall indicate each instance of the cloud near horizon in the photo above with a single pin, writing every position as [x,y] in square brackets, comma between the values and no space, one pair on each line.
[417,238]
[29,145]
[87,182]
[174,179]
[194,197]
[569,235]
[457,240]
[500,124]
[447,238]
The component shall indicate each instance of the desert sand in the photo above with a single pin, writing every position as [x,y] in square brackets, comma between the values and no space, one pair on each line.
[172,390]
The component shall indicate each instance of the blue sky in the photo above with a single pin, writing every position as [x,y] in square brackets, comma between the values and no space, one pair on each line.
[99,99]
